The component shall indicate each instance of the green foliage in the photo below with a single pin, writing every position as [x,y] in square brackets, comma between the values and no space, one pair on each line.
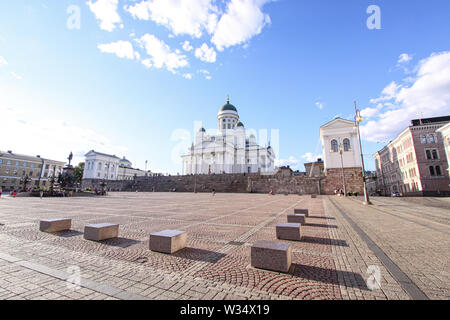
[78,172]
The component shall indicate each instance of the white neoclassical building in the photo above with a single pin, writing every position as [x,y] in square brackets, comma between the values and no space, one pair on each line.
[227,151]
[101,166]
[340,137]
[109,167]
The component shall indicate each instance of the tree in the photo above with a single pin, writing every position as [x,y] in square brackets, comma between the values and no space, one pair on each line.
[78,172]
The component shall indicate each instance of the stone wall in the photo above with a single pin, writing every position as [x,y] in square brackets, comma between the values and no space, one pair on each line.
[333,180]
[258,183]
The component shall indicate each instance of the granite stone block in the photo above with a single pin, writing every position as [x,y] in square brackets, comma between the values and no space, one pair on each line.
[101,231]
[289,231]
[54,225]
[271,255]
[302,211]
[296,218]
[168,241]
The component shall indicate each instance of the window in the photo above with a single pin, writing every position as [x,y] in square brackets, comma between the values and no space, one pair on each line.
[9,162]
[438,171]
[428,153]
[334,146]
[434,153]
[346,145]
[423,139]
[1,161]
[431,138]
[99,166]
[432,173]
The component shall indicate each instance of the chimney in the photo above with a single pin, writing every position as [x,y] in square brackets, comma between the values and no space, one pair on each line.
[9,151]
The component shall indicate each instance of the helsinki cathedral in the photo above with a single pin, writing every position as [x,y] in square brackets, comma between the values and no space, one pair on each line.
[229,150]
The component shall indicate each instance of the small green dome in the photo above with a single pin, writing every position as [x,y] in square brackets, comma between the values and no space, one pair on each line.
[202,130]
[240,124]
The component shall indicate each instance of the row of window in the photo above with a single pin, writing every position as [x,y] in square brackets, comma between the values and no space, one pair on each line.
[435,171]
[107,166]
[429,138]
[17,164]
[335,145]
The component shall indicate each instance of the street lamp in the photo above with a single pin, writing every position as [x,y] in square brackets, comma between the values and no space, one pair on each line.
[341,150]
[358,119]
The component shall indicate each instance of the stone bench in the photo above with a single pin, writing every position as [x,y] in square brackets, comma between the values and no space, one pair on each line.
[289,231]
[302,211]
[313,196]
[168,241]
[101,231]
[55,225]
[271,255]
[296,218]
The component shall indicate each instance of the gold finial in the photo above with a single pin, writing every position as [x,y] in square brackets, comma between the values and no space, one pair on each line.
[228,98]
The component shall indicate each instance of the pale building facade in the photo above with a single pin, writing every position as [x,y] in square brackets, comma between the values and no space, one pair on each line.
[227,151]
[14,168]
[445,133]
[414,163]
[101,166]
[340,145]
[127,172]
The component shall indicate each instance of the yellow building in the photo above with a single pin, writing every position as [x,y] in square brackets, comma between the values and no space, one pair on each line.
[15,168]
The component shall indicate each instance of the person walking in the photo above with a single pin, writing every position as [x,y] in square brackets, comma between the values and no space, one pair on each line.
[41,193]
[1,192]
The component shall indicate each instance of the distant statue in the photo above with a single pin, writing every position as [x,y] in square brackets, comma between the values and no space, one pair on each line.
[70,157]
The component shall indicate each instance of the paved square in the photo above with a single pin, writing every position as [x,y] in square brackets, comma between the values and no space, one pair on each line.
[330,262]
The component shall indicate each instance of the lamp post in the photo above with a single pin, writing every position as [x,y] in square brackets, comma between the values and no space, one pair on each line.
[146,167]
[358,119]
[342,166]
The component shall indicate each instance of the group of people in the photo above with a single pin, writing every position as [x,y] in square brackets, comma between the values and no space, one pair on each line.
[12,193]
[339,192]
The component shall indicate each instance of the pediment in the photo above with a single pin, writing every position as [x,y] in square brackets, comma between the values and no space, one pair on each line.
[338,123]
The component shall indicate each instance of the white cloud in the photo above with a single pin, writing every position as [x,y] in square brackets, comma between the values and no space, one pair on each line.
[428,94]
[187,46]
[190,17]
[15,75]
[291,162]
[122,49]
[69,137]
[242,20]
[206,53]
[203,71]
[208,77]
[3,62]
[404,58]
[388,93]
[188,76]
[310,157]
[319,105]
[160,54]
[106,12]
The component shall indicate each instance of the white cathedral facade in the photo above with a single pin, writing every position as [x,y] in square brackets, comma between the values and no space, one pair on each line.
[227,151]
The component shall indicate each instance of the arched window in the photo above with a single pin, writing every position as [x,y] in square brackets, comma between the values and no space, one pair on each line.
[346,144]
[334,146]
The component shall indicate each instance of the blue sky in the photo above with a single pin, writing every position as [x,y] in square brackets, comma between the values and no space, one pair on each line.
[124,82]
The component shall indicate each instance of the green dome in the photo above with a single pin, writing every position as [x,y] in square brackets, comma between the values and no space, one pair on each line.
[228,107]
[240,124]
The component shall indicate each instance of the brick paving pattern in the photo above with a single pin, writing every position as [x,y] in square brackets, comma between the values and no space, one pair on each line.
[330,262]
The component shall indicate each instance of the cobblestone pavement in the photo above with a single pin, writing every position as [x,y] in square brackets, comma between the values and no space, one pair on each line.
[329,263]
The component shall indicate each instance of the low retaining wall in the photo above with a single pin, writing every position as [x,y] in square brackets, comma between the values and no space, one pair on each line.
[238,183]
